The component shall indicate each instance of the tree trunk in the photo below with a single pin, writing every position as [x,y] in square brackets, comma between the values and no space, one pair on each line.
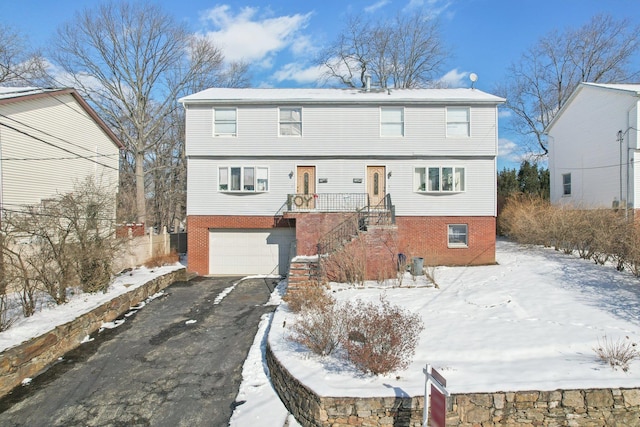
[141,206]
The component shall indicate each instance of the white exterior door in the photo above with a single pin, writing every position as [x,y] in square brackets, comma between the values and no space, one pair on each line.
[250,251]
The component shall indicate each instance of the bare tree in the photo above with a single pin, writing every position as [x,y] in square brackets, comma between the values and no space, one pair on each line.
[404,52]
[544,77]
[133,61]
[18,65]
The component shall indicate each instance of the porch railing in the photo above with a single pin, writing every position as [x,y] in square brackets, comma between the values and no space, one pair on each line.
[326,202]
[343,233]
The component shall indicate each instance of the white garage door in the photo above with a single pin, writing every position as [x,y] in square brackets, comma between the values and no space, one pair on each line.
[255,251]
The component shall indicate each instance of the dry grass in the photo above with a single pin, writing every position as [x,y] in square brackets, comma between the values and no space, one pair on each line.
[617,354]
[160,260]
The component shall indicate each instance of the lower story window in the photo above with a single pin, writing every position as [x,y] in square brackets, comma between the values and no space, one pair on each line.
[439,179]
[250,179]
[458,235]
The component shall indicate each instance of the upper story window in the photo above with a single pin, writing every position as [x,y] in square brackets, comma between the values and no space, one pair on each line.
[391,121]
[243,179]
[566,184]
[225,122]
[290,121]
[439,179]
[458,122]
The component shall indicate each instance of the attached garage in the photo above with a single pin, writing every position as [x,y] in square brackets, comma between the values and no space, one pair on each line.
[250,251]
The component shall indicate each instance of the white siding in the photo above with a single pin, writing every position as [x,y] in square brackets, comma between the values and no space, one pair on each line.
[51,125]
[341,131]
[478,199]
[584,142]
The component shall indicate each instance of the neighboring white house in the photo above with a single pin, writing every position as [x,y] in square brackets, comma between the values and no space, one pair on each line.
[593,147]
[50,139]
[267,167]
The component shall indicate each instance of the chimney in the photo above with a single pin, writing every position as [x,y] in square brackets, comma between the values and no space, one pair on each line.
[367,83]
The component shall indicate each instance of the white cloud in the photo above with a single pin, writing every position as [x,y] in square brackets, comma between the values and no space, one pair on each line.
[298,73]
[433,7]
[504,113]
[247,36]
[377,5]
[509,151]
[454,78]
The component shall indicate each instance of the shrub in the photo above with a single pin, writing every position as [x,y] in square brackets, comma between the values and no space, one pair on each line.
[618,354]
[380,337]
[310,294]
[320,324]
[347,265]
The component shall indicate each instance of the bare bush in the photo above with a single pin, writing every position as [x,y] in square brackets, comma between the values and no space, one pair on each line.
[347,265]
[381,338]
[308,295]
[67,242]
[526,218]
[618,354]
[320,325]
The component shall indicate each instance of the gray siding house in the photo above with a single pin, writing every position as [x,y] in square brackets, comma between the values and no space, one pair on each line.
[267,167]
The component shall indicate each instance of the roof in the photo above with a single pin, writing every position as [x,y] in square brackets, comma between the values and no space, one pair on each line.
[631,89]
[340,96]
[19,94]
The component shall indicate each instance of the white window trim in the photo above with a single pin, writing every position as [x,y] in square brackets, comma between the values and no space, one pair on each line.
[468,122]
[280,135]
[570,185]
[416,183]
[457,245]
[402,135]
[225,135]
[242,168]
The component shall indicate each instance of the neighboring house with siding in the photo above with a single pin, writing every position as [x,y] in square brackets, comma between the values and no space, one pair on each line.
[271,172]
[593,147]
[51,139]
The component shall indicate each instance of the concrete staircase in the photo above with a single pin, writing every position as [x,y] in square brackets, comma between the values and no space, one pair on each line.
[303,269]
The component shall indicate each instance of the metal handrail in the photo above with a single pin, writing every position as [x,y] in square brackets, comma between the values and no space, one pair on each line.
[326,202]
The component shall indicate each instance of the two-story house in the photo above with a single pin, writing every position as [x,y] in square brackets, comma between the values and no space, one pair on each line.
[50,140]
[593,147]
[267,169]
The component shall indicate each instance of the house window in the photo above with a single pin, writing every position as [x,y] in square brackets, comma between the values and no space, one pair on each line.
[224,122]
[439,179]
[290,121]
[566,184]
[458,122]
[249,179]
[392,121]
[458,235]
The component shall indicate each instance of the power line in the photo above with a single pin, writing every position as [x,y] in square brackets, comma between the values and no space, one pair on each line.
[57,146]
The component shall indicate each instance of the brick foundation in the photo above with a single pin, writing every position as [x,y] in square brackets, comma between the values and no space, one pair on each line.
[198,227]
[426,237]
[416,236]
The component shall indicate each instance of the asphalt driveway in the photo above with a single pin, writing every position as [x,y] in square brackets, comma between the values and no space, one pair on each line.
[176,362]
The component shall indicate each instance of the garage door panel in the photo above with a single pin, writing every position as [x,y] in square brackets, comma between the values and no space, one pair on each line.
[250,251]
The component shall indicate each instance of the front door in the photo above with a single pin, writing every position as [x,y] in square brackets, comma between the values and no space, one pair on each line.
[305,187]
[376,184]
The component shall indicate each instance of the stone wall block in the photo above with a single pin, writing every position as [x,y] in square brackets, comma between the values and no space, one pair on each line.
[599,398]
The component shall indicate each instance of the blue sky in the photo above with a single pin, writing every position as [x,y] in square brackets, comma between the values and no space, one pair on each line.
[279,37]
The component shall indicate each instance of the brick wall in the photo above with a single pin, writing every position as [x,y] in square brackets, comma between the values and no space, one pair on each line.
[427,237]
[417,236]
[198,229]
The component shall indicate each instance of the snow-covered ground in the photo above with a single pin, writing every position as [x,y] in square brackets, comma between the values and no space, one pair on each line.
[531,322]
[50,315]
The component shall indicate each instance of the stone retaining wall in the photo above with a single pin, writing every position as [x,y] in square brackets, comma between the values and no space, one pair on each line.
[28,359]
[583,408]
